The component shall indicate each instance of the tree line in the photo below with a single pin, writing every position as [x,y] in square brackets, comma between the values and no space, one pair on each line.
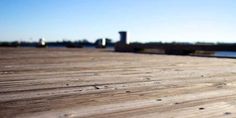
[64,43]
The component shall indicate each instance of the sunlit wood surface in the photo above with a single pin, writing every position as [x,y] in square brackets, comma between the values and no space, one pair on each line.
[93,83]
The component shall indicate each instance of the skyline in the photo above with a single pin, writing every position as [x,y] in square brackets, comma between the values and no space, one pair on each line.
[145,20]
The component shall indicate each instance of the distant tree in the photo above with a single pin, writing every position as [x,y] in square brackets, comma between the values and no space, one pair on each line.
[85,42]
[97,42]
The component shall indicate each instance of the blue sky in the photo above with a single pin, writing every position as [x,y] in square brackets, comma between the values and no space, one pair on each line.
[145,20]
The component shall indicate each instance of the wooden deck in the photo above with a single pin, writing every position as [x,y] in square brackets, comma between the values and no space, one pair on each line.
[88,83]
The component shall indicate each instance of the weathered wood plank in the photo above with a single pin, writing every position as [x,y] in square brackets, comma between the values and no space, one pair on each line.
[102,83]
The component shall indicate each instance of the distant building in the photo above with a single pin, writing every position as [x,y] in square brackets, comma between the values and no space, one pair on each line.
[124,39]
[101,43]
[41,43]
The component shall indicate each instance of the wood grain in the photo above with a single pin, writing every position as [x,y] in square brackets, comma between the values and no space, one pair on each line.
[88,83]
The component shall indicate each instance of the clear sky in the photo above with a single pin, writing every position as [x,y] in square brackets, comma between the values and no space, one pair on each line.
[145,20]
